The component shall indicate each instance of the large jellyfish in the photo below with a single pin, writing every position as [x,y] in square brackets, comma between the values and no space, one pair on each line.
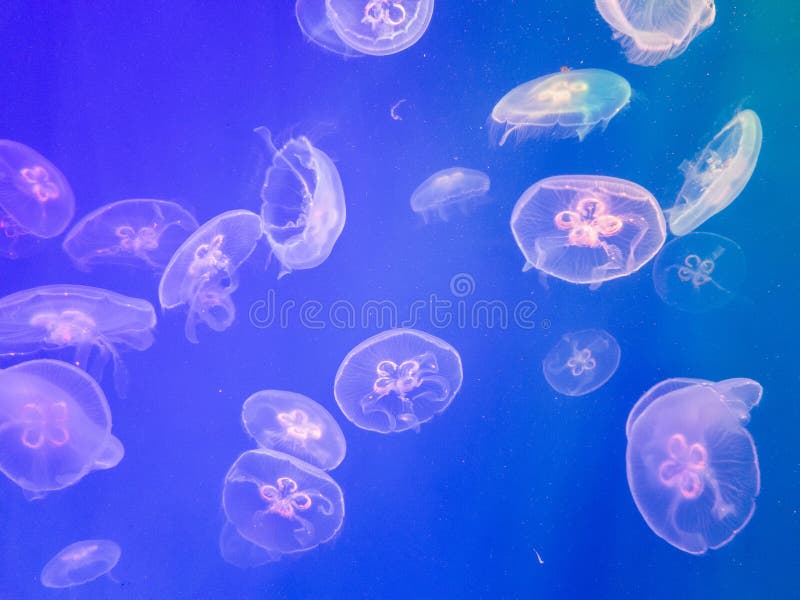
[55,426]
[448,190]
[587,228]
[93,321]
[302,208]
[136,232]
[651,31]
[281,503]
[312,17]
[699,272]
[35,198]
[692,466]
[564,104]
[379,27]
[718,175]
[80,563]
[397,380]
[581,362]
[202,272]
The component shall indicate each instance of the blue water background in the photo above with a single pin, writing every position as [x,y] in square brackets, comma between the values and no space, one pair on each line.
[159,99]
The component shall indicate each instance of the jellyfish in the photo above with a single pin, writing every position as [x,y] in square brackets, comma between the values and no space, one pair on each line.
[296,425]
[136,232]
[239,552]
[95,322]
[718,175]
[80,563]
[586,228]
[55,426]
[281,503]
[449,189]
[202,272]
[692,466]
[379,27]
[312,17]
[565,104]
[652,31]
[35,198]
[581,362]
[303,207]
[699,272]
[397,380]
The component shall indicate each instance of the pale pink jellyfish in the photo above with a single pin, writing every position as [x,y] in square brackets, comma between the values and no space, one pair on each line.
[581,362]
[80,563]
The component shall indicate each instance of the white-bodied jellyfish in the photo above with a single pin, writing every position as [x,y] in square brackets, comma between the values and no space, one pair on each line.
[302,208]
[692,466]
[135,232]
[202,272]
[312,17]
[652,31]
[587,228]
[718,175]
[447,191]
[564,104]
[581,362]
[80,563]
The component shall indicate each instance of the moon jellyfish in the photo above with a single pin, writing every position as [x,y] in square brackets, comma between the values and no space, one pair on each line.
[136,232]
[93,321]
[692,466]
[699,272]
[239,552]
[296,425]
[586,228]
[651,31]
[35,198]
[54,426]
[302,206]
[379,27]
[397,380]
[281,503]
[564,104]
[312,17]
[447,190]
[581,362]
[80,563]
[202,272]
[718,175]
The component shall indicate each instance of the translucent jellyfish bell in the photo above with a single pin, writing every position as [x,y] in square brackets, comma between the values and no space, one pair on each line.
[302,208]
[136,232]
[564,104]
[718,175]
[312,17]
[379,27]
[581,362]
[652,31]
[202,272]
[587,228]
[692,466]
[699,272]
[397,380]
[242,553]
[449,190]
[80,563]
[296,425]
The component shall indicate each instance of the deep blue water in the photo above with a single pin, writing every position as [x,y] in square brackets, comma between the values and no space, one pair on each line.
[159,99]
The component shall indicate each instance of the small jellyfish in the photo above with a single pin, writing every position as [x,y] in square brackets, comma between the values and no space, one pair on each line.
[312,17]
[652,31]
[80,563]
[281,503]
[692,466]
[54,426]
[35,198]
[242,553]
[296,425]
[302,208]
[581,362]
[718,175]
[565,104]
[397,380]
[379,27]
[699,272]
[586,228]
[136,232]
[449,189]
[88,319]
[202,272]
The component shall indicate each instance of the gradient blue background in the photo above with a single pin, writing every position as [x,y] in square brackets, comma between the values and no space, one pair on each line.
[159,99]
